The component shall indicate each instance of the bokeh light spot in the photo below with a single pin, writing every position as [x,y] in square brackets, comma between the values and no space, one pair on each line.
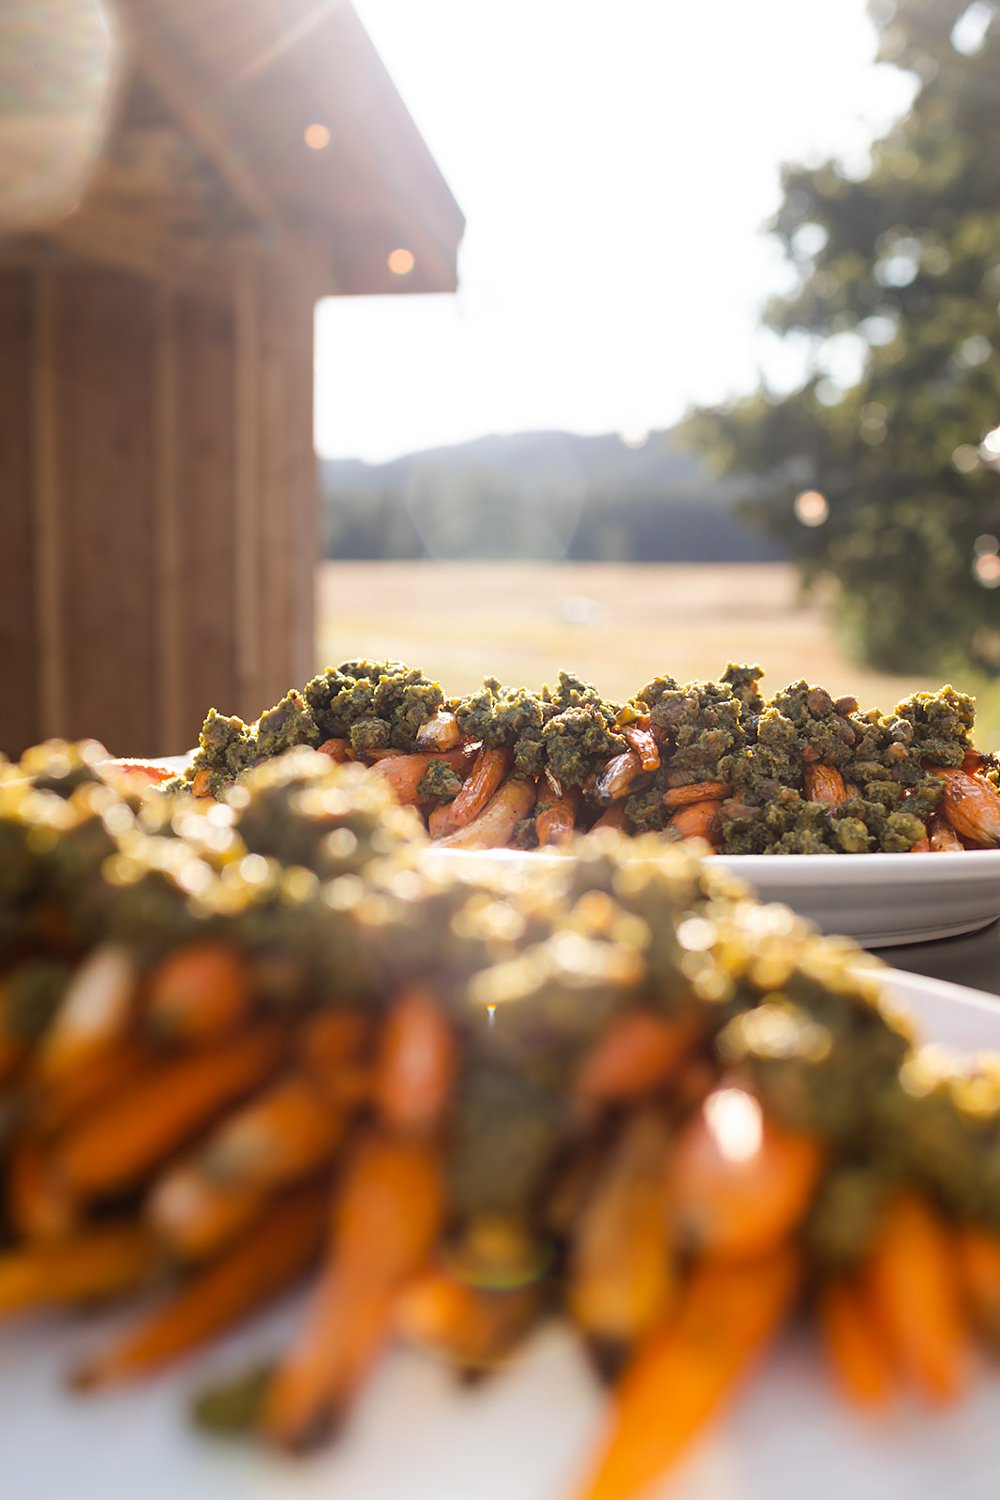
[316,136]
[400,261]
[811,508]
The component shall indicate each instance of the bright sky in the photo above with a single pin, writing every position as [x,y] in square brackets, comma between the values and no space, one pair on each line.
[615,160]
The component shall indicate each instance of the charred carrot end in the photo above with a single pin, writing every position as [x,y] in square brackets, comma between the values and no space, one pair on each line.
[943,838]
[640,739]
[279,1250]
[440,732]
[87,1266]
[737,1184]
[912,1279]
[493,828]
[858,1357]
[95,1013]
[638,1053]
[680,1377]
[416,1063]
[824,784]
[488,771]
[979,1271]
[699,820]
[201,783]
[386,1223]
[616,779]
[698,791]
[114,1146]
[198,994]
[971,806]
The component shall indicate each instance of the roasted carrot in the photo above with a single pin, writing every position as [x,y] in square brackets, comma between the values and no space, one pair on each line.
[555,822]
[86,1266]
[824,784]
[114,1146]
[488,771]
[474,1328]
[404,773]
[415,1066]
[277,1252]
[699,820]
[912,1280]
[698,791]
[201,783]
[197,994]
[971,806]
[618,775]
[494,826]
[612,817]
[640,739]
[337,750]
[978,1254]
[737,1184]
[639,1052]
[387,1221]
[95,1013]
[922,846]
[621,1276]
[858,1357]
[678,1379]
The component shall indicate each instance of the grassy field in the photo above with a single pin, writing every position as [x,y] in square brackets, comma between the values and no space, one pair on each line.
[615,625]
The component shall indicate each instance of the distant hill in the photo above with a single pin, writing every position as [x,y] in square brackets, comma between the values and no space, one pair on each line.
[538,495]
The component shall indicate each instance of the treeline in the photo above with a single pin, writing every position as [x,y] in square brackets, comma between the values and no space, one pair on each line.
[538,496]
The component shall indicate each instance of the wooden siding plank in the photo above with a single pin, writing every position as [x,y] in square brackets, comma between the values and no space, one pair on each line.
[169,601]
[107,519]
[19,720]
[48,542]
[206,433]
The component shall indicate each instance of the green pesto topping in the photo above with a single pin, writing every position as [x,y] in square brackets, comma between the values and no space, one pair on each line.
[942,723]
[357,694]
[440,782]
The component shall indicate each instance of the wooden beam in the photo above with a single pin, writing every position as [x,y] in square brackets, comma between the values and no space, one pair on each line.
[167,520]
[48,590]
[151,56]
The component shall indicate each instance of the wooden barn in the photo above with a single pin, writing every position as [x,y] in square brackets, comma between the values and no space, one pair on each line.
[157,476]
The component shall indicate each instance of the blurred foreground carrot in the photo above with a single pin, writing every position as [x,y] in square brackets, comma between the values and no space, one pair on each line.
[678,1379]
[912,1279]
[38,1205]
[278,1251]
[88,1265]
[737,1184]
[475,1328]
[387,1220]
[638,1052]
[197,994]
[415,1065]
[95,1013]
[114,1145]
[860,1361]
[979,1269]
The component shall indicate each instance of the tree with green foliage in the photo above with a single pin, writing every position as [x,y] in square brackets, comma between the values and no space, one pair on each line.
[899,270]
